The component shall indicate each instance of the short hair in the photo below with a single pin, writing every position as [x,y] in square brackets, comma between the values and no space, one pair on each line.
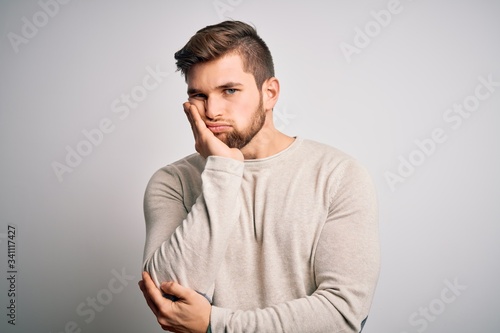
[216,41]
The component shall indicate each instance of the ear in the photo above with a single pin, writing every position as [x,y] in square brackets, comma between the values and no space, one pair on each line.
[270,93]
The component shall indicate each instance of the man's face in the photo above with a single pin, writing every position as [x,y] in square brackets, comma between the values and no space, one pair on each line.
[228,99]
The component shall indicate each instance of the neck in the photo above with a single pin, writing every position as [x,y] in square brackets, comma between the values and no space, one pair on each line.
[267,142]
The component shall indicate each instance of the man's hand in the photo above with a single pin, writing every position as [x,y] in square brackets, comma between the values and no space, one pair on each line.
[190,313]
[206,143]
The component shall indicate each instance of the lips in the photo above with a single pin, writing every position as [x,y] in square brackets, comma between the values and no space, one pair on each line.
[218,127]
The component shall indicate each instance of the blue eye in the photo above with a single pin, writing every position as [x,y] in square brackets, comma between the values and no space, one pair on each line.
[230,91]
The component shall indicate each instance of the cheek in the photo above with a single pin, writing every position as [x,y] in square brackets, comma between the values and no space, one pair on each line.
[248,105]
[241,111]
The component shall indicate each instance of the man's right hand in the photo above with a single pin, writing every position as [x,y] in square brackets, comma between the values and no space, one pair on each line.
[206,143]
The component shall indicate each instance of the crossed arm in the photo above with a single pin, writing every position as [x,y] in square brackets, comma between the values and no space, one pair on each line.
[191,311]
[340,302]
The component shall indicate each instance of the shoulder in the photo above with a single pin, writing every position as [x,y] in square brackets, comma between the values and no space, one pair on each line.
[315,147]
[187,166]
[185,170]
[324,155]
[339,167]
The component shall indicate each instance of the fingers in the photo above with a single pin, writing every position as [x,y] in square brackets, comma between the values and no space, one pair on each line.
[150,303]
[151,293]
[200,131]
[155,300]
[193,114]
[206,143]
[190,314]
[186,107]
[175,289]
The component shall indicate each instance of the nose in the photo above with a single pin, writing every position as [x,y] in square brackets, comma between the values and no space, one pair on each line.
[213,108]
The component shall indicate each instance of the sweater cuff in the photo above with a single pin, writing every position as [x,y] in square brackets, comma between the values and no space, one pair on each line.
[218,317]
[225,164]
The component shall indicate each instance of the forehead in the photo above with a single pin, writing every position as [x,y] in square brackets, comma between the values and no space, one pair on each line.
[215,73]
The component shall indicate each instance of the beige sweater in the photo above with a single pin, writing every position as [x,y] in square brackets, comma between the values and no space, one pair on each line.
[287,243]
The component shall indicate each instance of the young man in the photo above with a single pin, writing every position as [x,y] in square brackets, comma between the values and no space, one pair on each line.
[257,231]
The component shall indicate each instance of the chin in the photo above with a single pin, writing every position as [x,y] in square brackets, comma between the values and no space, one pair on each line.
[222,137]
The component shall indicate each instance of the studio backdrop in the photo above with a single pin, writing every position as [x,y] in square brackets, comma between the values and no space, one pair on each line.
[91,107]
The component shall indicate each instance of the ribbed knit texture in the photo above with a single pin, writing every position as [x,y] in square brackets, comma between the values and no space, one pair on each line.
[287,243]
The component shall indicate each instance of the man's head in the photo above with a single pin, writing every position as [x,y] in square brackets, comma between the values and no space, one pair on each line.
[216,41]
[230,77]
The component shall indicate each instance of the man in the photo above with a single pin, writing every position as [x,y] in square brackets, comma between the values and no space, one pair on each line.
[257,231]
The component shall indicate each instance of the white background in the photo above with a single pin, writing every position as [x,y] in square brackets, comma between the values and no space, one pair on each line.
[439,222]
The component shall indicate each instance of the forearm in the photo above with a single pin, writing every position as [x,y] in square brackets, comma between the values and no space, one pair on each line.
[192,254]
[313,314]
[338,306]
[346,266]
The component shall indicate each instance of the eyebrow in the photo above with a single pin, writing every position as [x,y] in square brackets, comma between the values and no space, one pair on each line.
[229,85]
[226,85]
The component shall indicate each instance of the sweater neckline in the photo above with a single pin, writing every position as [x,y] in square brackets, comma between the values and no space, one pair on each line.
[276,157]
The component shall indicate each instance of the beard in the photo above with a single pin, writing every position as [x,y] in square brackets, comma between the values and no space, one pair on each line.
[240,138]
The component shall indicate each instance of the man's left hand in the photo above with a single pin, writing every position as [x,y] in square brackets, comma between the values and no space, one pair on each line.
[189,313]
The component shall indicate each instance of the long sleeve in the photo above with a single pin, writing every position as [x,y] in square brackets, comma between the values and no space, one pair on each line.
[187,244]
[346,267]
